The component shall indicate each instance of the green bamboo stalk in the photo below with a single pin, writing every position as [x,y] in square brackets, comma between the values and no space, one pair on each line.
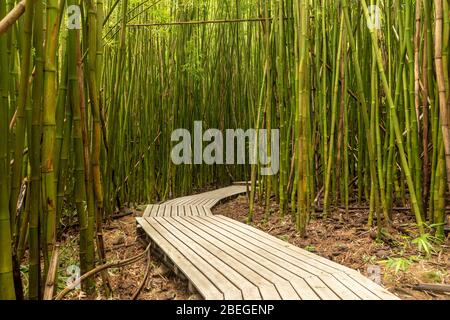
[333,123]
[75,85]
[439,206]
[404,162]
[254,167]
[20,112]
[281,83]
[34,289]
[49,126]
[6,270]
[440,79]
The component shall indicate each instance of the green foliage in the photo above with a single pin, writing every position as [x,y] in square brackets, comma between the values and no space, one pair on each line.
[425,243]
[193,65]
[434,276]
[24,274]
[369,259]
[398,264]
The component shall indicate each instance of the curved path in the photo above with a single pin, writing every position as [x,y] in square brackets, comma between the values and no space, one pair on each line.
[225,259]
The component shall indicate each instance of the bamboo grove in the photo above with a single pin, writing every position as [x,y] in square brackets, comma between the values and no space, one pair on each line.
[358,89]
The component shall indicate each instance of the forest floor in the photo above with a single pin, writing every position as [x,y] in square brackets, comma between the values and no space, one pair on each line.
[339,237]
[121,242]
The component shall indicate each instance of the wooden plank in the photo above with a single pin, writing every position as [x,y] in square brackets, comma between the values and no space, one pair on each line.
[265,259]
[187,210]
[181,211]
[266,288]
[155,214]
[198,201]
[296,266]
[153,210]
[208,211]
[374,288]
[147,210]
[203,285]
[259,264]
[193,211]
[208,198]
[203,211]
[234,258]
[285,291]
[337,285]
[176,201]
[174,211]
[203,202]
[222,263]
[150,209]
[362,292]
[190,201]
[229,290]
[315,261]
[261,235]
[200,211]
[167,212]
[211,202]
[183,201]
[161,210]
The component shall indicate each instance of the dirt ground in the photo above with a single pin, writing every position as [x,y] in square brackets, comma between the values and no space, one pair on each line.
[121,243]
[339,237]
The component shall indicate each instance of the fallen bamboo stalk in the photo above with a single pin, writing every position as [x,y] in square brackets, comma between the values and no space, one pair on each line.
[114,264]
[121,215]
[147,271]
[320,209]
[179,23]
[51,276]
[12,17]
[120,246]
[432,287]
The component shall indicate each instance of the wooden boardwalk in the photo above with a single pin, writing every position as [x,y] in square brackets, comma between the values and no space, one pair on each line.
[195,205]
[225,259]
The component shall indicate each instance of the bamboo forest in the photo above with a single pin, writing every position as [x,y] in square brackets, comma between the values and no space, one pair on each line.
[224,149]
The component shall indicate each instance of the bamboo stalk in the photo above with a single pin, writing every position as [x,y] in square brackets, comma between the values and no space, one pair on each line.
[181,23]
[443,94]
[52,274]
[404,162]
[49,126]
[9,19]
[6,271]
